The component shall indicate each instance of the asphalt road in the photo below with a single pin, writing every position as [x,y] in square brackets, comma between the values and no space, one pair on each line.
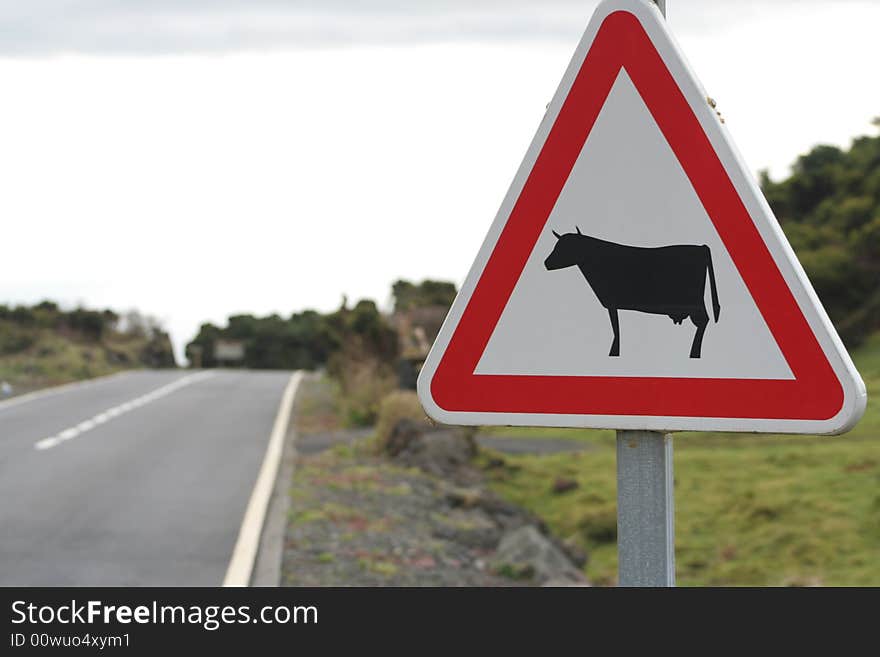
[139,479]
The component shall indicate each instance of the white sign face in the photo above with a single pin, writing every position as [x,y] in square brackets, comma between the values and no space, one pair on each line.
[228,350]
[650,344]
[635,277]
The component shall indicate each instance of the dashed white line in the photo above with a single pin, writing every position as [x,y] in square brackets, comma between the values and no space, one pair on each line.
[116,411]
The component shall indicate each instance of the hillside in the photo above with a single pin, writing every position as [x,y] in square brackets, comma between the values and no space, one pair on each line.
[44,345]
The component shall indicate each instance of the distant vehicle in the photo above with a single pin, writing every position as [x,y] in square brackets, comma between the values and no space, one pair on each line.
[5,389]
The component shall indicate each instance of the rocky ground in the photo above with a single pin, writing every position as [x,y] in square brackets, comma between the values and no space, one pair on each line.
[415,512]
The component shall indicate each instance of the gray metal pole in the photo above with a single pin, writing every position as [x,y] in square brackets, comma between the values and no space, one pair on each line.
[645,509]
[645,503]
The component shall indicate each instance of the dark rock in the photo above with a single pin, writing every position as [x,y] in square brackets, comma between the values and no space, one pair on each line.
[473,529]
[443,452]
[564,485]
[574,551]
[464,497]
[527,550]
[402,436]
[507,515]
[495,462]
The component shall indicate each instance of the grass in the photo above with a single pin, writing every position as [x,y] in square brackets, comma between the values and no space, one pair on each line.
[51,358]
[317,406]
[750,509]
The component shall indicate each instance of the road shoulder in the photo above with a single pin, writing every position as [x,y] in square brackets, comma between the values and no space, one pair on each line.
[267,565]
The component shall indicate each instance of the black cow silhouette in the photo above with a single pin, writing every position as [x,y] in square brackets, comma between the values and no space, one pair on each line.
[666,280]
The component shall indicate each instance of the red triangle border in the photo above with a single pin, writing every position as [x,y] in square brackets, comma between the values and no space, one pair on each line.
[814,394]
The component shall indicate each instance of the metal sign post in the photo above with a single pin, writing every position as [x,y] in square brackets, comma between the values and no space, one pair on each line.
[645,503]
[645,509]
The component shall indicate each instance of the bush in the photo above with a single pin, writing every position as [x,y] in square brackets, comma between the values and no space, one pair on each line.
[89,323]
[363,383]
[22,315]
[428,293]
[399,405]
[830,210]
[14,339]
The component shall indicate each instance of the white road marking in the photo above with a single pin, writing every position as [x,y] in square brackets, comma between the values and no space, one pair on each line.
[116,411]
[244,554]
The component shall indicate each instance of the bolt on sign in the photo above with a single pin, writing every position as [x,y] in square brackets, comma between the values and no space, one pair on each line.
[635,276]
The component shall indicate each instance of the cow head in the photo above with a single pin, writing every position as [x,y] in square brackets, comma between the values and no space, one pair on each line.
[567,252]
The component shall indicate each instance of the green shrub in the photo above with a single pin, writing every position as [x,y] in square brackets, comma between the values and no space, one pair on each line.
[14,339]
[399,405]
[829,208]
[363,383]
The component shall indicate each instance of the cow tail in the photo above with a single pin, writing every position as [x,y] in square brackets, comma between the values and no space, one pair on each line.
[716,307]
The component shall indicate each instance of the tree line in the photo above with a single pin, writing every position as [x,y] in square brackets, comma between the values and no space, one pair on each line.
[310,340]
[21,327]
[829,208]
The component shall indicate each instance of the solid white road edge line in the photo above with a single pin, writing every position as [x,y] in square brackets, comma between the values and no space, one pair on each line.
[244,555]
[116,411]
[54,390]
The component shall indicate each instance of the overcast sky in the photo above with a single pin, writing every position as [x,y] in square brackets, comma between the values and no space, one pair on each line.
[175,26]
[195,159]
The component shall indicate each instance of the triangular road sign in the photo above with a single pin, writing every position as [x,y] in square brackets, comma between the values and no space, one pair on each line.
[635,277]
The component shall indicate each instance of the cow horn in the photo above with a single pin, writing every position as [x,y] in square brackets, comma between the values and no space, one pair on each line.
[578,230]
[556,234]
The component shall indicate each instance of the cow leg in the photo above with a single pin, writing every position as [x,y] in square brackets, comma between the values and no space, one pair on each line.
[700,319]
[615,325]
